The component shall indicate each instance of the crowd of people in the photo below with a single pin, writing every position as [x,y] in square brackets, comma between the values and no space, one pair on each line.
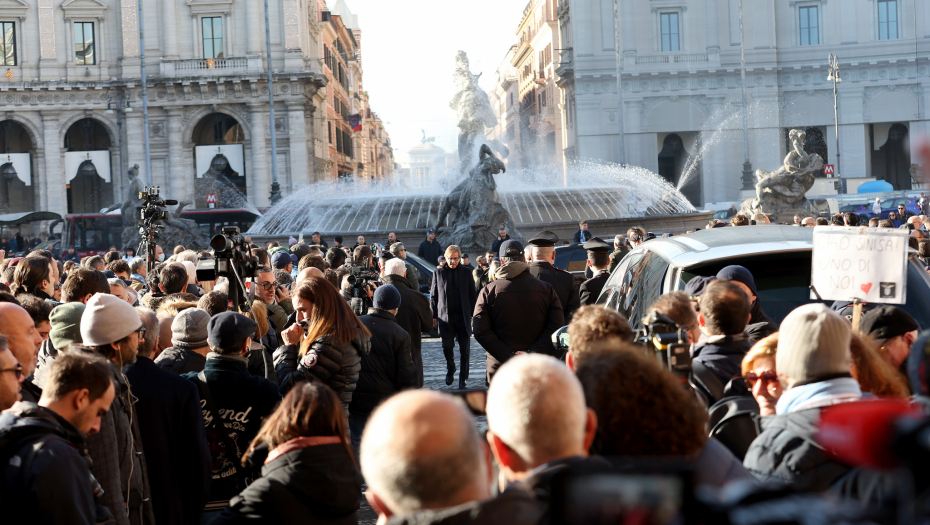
[141,395]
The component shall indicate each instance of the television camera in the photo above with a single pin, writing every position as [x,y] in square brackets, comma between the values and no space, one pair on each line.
[662,337]
[150,213]
[232,259]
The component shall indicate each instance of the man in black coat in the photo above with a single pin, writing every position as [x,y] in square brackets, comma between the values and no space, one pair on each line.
[723,317]
[598,262]
[430,248]
[414,314]
[452,301]
[582,235]
[388,368]
[541,267]
[501,238]
[760,325]
[173,436]
[517,313]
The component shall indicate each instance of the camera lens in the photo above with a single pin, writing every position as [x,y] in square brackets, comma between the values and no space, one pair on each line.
[220,243]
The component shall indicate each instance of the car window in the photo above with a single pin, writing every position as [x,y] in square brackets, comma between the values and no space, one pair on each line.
[578,261]
[621,279]
[650,284]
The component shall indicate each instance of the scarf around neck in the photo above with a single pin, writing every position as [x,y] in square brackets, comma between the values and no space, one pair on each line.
[819,394]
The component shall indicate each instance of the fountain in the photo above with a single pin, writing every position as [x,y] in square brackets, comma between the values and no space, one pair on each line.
[544,197]
[780,194]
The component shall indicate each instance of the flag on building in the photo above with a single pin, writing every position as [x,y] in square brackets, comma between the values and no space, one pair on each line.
[356,122]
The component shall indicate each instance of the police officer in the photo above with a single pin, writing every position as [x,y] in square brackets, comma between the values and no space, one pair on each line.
[598,261]
[543,244]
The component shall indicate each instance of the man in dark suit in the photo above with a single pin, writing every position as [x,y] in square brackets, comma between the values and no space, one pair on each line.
[414,314]
[541,267]
[598,261]
[452,301]
[172,431]
[582,235]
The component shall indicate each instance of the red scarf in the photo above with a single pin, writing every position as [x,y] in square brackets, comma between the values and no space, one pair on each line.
[299,443]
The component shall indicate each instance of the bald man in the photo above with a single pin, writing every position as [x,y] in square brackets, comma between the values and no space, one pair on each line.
[422,458]
[538,422]
[23,340]
[307,273]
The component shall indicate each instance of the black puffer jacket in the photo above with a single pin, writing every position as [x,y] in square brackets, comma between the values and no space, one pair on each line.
[337,367]
[388,368]
[180,360]
[316,484]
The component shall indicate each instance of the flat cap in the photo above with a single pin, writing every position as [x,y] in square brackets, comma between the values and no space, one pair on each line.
[229,330]
[511,247]
[886,322]
[544,239]
[597,245]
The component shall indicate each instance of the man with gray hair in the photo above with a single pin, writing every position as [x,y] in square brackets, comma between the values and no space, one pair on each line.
[538,423]
[543,250]
[423,461]
[414,314]
[397,250]
[620,251]
[118,288]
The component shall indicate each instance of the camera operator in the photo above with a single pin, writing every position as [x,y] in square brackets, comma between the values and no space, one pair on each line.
[363,280]
[677,307]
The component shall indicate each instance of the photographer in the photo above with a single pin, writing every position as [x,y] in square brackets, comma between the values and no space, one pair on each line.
[363,280]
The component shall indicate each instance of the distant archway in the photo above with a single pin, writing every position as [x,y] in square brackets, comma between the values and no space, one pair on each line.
[673,164]
[220,172]
[892,160]
[88,190]
[16,168]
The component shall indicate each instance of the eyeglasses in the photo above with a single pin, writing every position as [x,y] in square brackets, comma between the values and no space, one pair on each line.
[17,370]
[456,259]
[751,377]
[266,286]
[141,332]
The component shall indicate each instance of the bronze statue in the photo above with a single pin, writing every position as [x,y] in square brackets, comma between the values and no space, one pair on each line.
[781,192]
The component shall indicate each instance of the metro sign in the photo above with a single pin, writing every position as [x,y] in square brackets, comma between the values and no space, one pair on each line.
[211,200]
[828,170]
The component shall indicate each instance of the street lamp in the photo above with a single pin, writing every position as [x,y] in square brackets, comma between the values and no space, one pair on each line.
[747,178]
[834,75]
[275,187]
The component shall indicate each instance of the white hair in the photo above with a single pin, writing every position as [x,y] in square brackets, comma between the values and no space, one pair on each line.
[395,266]
[542,253]
[536,407]
[191,270]
[116,282]
[188,255]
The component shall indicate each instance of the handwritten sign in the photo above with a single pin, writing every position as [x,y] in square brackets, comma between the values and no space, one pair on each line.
[858,263]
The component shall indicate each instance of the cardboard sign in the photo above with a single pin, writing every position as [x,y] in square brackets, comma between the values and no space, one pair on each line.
[828,170]
[851,263]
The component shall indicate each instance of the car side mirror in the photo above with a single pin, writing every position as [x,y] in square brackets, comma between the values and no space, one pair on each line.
[560,339]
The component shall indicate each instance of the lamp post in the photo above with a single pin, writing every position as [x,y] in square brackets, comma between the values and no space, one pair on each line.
[620,151]
[275,187]
[834,75]
[145,101]
[747,177]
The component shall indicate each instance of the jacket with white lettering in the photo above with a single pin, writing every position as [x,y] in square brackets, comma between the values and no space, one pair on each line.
[242,402]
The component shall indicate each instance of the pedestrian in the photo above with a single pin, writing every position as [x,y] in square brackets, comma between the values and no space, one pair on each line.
[47,469]
[276,299]
[538,424]
[903,214]
[283,261]
[874,374]
[398,250]
[414,314]
[64,330]
[678,307]
[317,239]
[922,203]
[723,316]
[850,219]
[23,341]
[34,276]
[82,284]
[233,402]
[480,274]
[388,368]
[760,375]
[543,251]
[261,361]
[71,255]
[598,262]
[760,325]
[11,376]
[39,310]
[620,251]
[633,398]
[877,207]
[337,242]
[466,262]
[502,237]
[308,472]
[433,435]
[452,300]
[593,327]
[189,343]
[214,303]
[326,343]
[516,313]
[430,249]
[171,280]
[582,235]
[391,239]
[138,270]
[171,425]
[894,220]
[112,329]
[893,330]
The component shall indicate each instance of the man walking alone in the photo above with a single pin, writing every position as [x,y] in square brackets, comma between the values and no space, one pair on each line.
[452,300]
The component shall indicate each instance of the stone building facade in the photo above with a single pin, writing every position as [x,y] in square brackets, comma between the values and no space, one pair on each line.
[681,85]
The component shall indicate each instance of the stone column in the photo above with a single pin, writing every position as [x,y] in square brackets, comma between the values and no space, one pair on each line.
[259,176]
[299,146]
[717,183]
[256,26]
[180,182]
[713,31]
[628,27]
[54,191]
[169,27]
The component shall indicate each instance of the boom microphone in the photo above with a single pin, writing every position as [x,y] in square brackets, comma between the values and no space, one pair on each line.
[865,433]
[170,202]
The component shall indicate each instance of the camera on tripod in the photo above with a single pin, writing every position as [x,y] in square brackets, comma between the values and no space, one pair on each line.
[151,211]
[232,259]
[669,342]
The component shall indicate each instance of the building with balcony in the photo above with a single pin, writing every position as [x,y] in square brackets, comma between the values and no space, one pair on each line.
[71,119]
[680,86]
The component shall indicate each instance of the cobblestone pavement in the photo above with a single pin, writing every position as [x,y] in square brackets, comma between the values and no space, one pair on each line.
[434,377]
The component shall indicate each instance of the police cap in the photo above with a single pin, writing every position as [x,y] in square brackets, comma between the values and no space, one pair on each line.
[597,245]
[544,239]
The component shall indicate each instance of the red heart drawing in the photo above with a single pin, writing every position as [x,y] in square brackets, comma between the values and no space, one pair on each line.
[866,287]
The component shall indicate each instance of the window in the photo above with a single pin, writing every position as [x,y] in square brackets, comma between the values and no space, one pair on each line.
[669,26]
[212,37]
[810,35]
[887,19]
[8,43]
[84,44]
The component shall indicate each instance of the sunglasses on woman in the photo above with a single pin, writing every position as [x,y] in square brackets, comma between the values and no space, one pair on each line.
[17,370]
[751,377]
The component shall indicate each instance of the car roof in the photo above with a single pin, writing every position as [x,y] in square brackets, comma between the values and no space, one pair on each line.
[723,243]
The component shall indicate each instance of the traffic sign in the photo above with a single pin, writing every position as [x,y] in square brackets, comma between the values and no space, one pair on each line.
[828,170]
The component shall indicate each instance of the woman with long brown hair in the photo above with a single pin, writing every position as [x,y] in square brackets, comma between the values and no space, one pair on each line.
[309,474]
[326,343]
[874,374]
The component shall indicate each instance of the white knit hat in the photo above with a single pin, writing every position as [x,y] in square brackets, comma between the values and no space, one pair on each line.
[813,343]
[107,319]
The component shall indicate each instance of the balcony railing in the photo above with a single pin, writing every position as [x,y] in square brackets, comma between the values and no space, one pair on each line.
[671,58]
[198,67]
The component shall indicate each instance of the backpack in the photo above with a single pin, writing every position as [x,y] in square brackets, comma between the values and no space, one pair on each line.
[735,421]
